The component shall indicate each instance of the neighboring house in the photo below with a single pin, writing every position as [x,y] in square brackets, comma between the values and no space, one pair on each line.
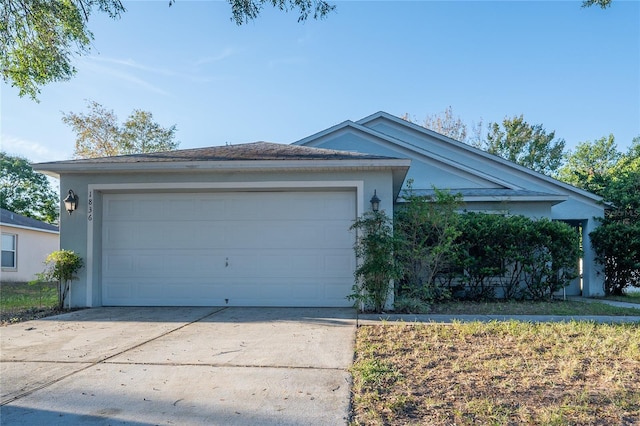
[26,243]
[266,224]
[488,183]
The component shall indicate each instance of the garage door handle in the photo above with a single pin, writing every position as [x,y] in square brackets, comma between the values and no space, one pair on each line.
[226,263]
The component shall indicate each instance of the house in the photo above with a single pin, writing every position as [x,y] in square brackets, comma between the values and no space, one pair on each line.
[264,224]
[258,224]
[488,183]
[26,243]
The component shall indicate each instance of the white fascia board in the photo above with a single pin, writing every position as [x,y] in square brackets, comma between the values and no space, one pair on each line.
[225,166]
[29,228]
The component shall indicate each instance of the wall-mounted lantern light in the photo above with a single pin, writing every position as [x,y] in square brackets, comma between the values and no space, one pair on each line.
[375,202]
[71,202]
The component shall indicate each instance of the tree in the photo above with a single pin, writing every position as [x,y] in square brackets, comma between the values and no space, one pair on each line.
[39,37]
[525,144]
[98,133]
[141,134]
[444,123]
[26,192]
[617,240]
[589,166]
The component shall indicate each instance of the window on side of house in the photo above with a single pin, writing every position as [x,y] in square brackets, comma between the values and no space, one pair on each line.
[9,252]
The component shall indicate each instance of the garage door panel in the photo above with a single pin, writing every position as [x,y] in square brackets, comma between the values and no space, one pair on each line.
[236,249]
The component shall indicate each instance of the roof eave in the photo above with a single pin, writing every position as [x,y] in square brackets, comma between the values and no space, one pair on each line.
[30,228]
[53,169]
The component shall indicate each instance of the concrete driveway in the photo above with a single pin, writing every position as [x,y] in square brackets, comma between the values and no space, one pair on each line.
[179,366]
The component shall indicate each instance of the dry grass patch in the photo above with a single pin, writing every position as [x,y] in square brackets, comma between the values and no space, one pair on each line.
[498,373]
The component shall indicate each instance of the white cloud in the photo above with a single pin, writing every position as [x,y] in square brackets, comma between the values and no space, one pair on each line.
[32,151]
[227,52]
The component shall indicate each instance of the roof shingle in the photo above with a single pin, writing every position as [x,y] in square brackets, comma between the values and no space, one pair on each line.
[248,151]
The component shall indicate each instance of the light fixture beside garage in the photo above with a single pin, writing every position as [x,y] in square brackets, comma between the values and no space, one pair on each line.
[375,201]
[71,202]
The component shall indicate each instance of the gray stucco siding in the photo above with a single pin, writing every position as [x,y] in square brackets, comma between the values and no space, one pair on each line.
[82,231]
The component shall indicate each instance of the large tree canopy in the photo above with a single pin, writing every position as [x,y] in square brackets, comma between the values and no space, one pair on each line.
[38,38]
[525,144]
[98,133]
[26,192]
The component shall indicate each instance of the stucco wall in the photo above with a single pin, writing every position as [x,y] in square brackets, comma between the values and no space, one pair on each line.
[82,231]
[32,249]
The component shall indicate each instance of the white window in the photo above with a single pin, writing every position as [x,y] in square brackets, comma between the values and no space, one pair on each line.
[9,244]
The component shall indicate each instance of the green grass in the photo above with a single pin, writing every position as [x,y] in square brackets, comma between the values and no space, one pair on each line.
[556,307]
[18,296]
[633,297]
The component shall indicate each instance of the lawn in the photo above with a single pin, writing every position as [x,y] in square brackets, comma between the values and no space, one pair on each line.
[497,373]
[556,307]
[23,301]
[630,297]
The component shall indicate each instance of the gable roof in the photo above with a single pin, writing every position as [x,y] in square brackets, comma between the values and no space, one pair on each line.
[434,146]
[381,116]
[10,218]
[350,126]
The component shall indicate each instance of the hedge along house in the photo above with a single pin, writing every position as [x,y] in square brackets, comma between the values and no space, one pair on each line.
[488,183]
[258,224]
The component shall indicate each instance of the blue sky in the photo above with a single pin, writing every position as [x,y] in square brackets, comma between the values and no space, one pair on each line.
[573,70]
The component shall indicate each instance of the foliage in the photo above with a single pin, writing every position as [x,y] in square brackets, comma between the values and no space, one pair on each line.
[445,124]
[39,38]
[481,258]
[602,3]
[377,267]
[617,240]
[98,133]
[450,126]
[247,10]
[481,253]
[410,305]
[525,144]
[61,266]
[526,258]
[426,228]
[553,262]
[589,166]
[26,192]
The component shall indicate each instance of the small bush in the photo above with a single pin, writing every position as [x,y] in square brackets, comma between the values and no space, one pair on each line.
[411,305]
[61,266]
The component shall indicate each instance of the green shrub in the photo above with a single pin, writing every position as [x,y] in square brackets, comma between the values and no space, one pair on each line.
[377,267]
[426,228]
[61,266]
